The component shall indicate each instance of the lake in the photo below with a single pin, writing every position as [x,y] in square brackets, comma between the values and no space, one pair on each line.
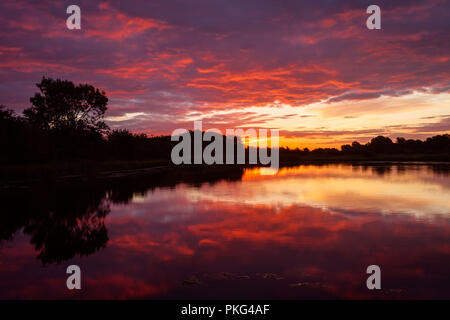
[307,232]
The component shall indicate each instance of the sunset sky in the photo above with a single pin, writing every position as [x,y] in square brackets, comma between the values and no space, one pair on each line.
[311,69]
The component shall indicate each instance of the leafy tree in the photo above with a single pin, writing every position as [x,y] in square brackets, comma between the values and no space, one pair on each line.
[6,114]
[63,106]
[381,144]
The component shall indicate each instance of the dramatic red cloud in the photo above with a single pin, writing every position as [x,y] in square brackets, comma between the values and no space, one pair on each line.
[168,60]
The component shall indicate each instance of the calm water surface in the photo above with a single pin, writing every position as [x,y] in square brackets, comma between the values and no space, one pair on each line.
[307,232]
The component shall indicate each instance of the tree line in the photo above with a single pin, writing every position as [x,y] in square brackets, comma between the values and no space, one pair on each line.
[66,123]
[379,148]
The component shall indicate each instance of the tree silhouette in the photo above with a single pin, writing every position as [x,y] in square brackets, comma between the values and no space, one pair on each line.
[63,221]
[66,124]
[6,114]
[381,144]
[63,106]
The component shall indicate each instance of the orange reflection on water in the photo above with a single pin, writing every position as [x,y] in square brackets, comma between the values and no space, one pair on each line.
[307,232]
[390,190]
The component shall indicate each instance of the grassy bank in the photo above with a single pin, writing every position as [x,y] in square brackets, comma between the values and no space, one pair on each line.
[107,169]
[95,171]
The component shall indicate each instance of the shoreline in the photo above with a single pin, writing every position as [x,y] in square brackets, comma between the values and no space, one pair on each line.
[101,170]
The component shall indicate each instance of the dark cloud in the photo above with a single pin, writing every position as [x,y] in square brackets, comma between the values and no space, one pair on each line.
[441,126]
[173,58]
[331,133]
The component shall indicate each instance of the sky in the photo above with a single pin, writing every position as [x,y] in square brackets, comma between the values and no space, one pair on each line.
[311,69]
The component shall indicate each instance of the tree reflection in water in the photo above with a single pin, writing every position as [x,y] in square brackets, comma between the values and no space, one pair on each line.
[67,219]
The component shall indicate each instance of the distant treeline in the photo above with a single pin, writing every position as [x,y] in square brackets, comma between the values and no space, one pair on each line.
[379,148]
[23,143]
[66,123]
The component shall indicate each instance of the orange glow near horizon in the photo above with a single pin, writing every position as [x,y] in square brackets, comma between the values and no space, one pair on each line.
[323,79]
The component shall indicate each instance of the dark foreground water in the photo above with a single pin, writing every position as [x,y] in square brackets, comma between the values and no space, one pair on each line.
[307,232]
